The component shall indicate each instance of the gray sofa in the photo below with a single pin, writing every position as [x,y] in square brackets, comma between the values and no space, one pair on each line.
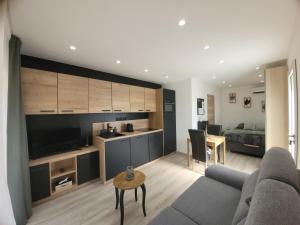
[269,196]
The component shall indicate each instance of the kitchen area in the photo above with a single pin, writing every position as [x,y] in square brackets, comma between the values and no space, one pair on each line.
[116,122]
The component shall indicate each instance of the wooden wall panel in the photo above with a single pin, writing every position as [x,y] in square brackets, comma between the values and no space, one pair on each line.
[277,107]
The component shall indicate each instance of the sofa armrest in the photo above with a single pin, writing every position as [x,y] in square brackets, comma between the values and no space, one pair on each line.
[226,175]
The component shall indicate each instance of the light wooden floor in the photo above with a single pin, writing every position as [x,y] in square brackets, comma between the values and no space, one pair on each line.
[166,179]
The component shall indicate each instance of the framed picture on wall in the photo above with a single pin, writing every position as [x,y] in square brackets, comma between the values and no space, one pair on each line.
[200,106]
[232,97]
[247,102]
[263,106]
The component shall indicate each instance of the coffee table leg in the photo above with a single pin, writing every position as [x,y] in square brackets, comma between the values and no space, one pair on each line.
[135,194]
[122,206]
[117,197]
[144,198]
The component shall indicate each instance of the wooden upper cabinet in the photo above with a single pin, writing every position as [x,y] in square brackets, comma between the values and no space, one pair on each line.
[99,96]
[39,91]
[150,100]
[120,98]
[137,99]
[73,94]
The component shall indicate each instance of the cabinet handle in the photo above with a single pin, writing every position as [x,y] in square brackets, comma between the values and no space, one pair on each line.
[117,110]
[67,110]
[148,110]
[124,140]
[141,110]
[47,110]
[106,110]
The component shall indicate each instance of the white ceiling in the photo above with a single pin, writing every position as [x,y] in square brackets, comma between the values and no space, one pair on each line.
[145,34]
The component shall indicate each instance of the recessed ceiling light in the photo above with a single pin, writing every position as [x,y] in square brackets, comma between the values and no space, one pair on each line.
[146,70]
[118,61]
[260,75]
[72,47]
[214,77]
[167,77]
[230,85]
[257,68]
[206,47]
[223,82]
[221,61]
[181,22]
[262,81]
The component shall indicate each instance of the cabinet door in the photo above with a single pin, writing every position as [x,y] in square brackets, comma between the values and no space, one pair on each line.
[137,99]
[117,157]
[155,145]
[40,182]
[87,167]
[139,150]
[120,97]
[39,91]
[150,100]
[72,94]
[99,96]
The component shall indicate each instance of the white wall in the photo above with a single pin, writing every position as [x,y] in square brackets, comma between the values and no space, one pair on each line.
[294,53]
[201,90]
[183,94]
[6,215]
[187,92]
[235,113]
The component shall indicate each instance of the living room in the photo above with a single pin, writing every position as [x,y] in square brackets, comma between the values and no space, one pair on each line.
[159,113]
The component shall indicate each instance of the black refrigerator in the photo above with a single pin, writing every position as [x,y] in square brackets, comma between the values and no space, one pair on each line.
[169,108]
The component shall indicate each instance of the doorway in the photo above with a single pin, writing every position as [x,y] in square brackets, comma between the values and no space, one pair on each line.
[293,111]
[211,109]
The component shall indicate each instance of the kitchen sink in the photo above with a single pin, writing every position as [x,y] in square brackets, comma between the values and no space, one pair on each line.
[110,135]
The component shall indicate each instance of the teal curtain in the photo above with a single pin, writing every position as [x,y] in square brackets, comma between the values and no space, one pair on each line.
[17,148]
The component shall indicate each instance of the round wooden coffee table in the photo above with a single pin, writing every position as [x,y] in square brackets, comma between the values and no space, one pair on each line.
[120,182]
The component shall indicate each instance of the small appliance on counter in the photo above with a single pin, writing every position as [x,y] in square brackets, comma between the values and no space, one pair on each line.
[129,127]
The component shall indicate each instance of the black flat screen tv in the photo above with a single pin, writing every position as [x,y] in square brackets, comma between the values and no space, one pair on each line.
[44,142]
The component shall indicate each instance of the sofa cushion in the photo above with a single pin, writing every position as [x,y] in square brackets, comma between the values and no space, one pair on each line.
[226,175]
[274,203]
[170,216]
[247,193]
[209,202]
[278,164]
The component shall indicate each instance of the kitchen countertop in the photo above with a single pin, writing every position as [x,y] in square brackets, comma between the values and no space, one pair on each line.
[130,134]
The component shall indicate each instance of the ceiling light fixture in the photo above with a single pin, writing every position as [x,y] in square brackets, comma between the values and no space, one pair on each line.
[230,85]
[181,22]
[206,47]
[260,75]
[167,77]
[72,47]
[221,61]
[146,70]
[262,81]
[118,62]
[214,77]
[257,68]
[223,82]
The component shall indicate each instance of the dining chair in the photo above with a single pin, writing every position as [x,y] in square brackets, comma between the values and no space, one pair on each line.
[199,147]
[215,129]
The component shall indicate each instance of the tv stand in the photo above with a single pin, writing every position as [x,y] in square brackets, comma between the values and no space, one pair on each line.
[46,172]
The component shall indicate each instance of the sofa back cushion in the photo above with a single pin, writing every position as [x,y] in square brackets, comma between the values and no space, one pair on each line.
[278,164]
[247,193]
[274,203]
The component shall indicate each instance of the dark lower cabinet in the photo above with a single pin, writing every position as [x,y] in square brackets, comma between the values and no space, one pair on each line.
[139,150]
[40,182]
[87,167]
[117,157]
[155,145]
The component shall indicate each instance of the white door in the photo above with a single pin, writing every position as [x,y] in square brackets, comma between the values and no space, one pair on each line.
[293,111]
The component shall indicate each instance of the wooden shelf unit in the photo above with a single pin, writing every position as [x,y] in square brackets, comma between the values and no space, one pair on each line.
[62,166]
